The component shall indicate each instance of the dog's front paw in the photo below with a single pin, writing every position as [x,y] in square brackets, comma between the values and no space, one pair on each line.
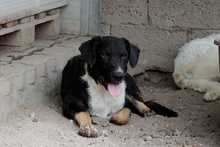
[88,131]
[210,96]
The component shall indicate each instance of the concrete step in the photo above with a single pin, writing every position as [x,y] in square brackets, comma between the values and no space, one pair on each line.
[33,76]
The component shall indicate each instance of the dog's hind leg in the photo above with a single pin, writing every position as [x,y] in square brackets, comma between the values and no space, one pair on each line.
[161,110]
[135,99]
[213,91]
[210,88]
[121,117]
[140,106]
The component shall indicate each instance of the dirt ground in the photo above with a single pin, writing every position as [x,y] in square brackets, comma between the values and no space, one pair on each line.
[198,123]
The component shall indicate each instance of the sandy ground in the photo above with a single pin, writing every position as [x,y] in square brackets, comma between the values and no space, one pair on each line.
[198,123]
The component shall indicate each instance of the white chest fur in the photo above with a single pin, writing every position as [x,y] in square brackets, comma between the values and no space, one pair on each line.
[101,102]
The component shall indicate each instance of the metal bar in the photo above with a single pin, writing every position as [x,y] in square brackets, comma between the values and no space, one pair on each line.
[217,42]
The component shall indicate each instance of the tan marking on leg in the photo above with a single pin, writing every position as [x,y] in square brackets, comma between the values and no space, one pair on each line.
[83,119]
[141,107]
[121,117]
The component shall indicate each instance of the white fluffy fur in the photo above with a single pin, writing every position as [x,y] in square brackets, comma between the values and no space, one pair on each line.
[196,67]
[101,102]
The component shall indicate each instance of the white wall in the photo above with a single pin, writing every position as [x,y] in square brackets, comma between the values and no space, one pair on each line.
[81,17]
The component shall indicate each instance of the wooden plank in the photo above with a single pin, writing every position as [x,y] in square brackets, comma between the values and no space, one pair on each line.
[217,42]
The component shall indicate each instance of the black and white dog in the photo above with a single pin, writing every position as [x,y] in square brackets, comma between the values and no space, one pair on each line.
[95,83]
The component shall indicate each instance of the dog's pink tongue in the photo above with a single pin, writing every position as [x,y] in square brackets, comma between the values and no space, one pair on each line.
[115,89]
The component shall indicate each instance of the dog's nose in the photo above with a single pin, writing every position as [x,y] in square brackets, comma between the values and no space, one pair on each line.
[118,76]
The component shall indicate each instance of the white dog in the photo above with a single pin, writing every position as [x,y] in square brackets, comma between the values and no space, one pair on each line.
[197,67]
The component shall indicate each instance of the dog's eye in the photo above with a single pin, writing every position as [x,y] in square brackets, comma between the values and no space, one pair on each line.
[106,56]
[123,56]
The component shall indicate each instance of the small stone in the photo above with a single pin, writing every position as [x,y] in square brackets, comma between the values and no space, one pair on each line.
[167,137]
[100,121]
[104,133]
[34,120]
[148,138]
[32,115]
[156,79]
[177,132]
[151,90]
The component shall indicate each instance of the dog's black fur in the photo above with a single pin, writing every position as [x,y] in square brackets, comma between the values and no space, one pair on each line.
[100,58]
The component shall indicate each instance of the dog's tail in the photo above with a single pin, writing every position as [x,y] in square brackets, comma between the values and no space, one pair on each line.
[160,110]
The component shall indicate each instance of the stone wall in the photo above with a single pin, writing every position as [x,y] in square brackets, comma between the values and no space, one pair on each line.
[159,27]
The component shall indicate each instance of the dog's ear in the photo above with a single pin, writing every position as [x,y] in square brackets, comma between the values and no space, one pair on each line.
[133,51]
[88,50]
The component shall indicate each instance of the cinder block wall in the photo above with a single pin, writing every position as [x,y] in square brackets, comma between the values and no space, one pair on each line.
[159,27]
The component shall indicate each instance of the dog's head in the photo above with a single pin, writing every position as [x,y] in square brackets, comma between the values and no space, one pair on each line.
[107,59]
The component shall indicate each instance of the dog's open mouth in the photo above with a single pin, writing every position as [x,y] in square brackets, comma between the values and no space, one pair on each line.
[115,89]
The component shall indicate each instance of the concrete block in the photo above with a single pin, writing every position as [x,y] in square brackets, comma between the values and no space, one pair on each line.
[153,40]
[10,24]
[14,69]
[5,106]
[51,66]
[19,40]
[74,43]
[69,54]
[60,62]
[18,82]
[125,12]
[40,15]
[33,95]
[5,86]
[56,51]
[33,60]
[186,14]
[40,70]
[48,30]
[30,76]
[53,12]
[106,30]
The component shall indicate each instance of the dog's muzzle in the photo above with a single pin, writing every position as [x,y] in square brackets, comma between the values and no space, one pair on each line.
[117,77]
